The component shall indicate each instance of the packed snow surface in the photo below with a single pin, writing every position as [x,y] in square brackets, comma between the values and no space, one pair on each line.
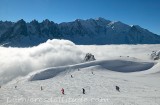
[45,69]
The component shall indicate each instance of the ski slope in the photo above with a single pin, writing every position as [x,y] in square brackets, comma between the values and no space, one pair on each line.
[128,67]
[98,78]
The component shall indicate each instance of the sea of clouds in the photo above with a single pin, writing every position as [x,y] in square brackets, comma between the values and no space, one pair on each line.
[16,62]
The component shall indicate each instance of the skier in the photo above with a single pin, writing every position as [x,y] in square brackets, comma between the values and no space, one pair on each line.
[62,90]
[117,88]
[15,87]
[41,88]
[71,76]
[83,90]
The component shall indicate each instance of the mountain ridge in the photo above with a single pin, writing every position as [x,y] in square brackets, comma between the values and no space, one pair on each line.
[86,32]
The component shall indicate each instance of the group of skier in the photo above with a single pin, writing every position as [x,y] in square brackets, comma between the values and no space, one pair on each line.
[83,91]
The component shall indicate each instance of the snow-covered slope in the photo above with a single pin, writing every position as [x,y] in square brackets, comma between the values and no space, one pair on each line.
[98,82]
[126,66]
[91,31]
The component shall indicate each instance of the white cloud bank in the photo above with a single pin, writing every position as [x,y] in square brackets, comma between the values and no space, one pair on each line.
[16,62]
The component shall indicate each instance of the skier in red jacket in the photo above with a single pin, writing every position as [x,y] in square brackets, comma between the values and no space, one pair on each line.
[62,90]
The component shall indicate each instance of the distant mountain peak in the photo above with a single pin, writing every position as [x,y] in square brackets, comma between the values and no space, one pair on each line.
[21,21]
[100,18]
[34,21]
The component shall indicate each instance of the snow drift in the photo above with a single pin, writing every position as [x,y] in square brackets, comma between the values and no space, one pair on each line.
[121,65]
[21,61]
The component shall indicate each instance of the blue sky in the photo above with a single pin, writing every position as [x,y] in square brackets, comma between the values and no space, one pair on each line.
[145,13]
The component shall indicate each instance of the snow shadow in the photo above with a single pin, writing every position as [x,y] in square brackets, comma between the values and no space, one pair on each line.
[127,66]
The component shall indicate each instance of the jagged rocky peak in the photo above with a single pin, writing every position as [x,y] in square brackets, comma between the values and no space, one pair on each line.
[119,26]
[101,19]
[21,21]
[5,22]
[34,22]
[48,22]
[45,22]
[78,20]
[20,28]
[117,23]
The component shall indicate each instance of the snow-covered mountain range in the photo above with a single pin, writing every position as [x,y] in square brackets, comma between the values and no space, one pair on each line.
[91,31]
